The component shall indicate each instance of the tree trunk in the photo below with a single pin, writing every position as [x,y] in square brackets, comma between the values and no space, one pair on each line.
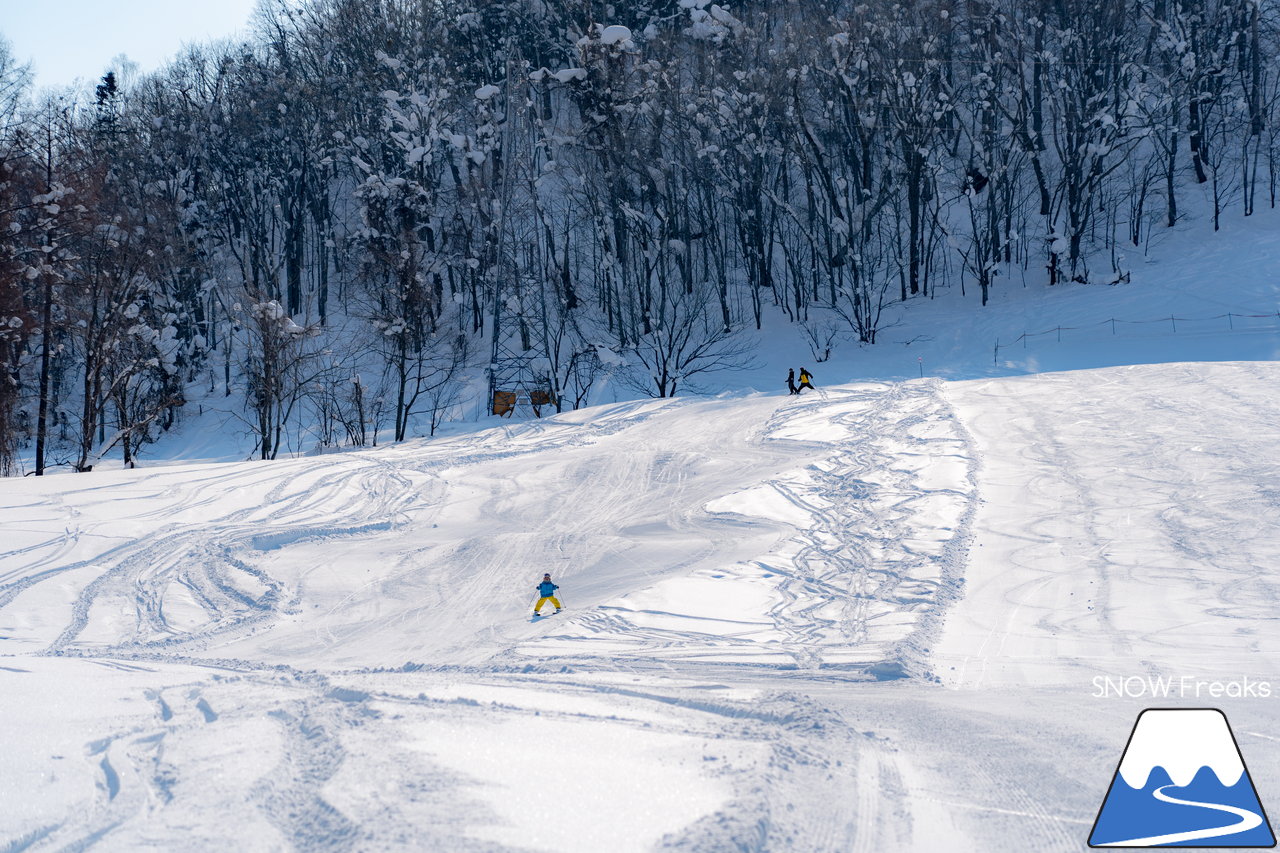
[46,358]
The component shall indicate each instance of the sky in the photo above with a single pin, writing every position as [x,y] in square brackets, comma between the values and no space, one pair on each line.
[70,39]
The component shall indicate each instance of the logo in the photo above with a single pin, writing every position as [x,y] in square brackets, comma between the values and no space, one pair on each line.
[1181,782]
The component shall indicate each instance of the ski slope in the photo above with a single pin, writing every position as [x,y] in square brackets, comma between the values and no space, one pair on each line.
[1129,526]
[867,619]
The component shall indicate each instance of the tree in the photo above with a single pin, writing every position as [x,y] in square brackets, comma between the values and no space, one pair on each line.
[687,340]
[279,368]
[17,317]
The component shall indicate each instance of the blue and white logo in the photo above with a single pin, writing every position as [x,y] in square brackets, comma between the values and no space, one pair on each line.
[1181,782]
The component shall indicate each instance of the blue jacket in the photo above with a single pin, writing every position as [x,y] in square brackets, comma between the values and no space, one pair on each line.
[546,589]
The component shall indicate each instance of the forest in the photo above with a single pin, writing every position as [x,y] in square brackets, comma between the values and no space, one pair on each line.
[337,219]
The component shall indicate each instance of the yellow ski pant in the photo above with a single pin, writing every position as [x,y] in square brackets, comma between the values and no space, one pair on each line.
[544,600]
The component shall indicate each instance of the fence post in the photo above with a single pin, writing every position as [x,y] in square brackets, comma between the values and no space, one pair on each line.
[1113,325]
[1174,322]
[1059,334]
[1024,334]
[1230,323]
[995,355]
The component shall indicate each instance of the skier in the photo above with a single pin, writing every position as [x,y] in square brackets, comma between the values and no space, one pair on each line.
[805,380]
[547,592]
[791,380]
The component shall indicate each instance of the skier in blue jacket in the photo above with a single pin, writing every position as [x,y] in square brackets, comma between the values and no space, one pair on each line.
[547,592]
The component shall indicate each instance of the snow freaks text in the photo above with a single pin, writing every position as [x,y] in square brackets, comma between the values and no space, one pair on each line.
[1178,687]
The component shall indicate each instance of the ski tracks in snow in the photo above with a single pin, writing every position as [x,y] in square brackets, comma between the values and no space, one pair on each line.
[881,518]
[875,482]
[891,507]
[181,585]
[1169,475]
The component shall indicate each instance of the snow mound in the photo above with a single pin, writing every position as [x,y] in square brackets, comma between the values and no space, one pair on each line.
[615,34]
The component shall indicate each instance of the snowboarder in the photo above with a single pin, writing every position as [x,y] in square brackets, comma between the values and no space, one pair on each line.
[806,380]
[791,380]
[547,592]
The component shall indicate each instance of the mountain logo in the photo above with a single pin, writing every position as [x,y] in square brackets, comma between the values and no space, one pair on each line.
[1181,782]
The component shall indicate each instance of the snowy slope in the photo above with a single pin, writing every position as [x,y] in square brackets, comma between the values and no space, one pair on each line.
[334,653]
[1128,526]
[269,600]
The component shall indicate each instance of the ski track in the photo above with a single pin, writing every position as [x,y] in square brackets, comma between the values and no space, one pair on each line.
[291,795]
[869,603]
[184,593]
[1172,528]
[215,567]
[880,573]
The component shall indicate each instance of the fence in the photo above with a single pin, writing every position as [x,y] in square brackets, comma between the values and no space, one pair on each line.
[1172,320]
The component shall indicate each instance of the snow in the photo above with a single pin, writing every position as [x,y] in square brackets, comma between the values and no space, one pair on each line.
[571,784]
[615,34]
[1169,471]
[568,75]
[868,618]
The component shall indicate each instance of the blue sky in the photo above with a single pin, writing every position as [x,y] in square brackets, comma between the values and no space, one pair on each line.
[70,39]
